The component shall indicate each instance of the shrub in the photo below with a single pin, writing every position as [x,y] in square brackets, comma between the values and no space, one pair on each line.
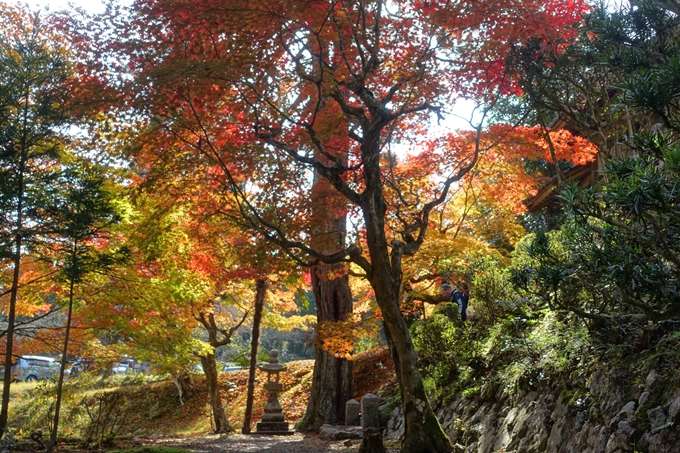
[445,346]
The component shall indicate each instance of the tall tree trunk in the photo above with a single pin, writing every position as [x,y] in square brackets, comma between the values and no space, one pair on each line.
[219,415]
[332,378]
[260,293]
[209,363]
[7,380]
[60,385]
[14,291]
[423,433]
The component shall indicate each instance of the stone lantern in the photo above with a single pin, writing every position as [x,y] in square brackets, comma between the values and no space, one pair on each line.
[273,421]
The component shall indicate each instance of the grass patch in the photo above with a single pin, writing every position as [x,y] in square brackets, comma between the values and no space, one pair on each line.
[99,412]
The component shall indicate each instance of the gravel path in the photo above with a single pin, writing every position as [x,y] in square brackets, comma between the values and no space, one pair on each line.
[241,443]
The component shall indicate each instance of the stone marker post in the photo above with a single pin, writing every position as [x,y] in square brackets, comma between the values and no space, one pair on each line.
[370,412]
[352,413]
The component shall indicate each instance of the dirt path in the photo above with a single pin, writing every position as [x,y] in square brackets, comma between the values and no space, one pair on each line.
[240,443]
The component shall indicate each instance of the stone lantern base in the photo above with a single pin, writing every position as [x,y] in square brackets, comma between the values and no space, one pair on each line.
[277,428]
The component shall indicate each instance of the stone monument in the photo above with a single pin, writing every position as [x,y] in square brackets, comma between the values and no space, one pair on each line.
[352,413]
[370,411]
[273,422]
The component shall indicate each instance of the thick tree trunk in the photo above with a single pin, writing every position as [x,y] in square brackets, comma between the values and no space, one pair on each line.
[219,415]
[423,433]
[260,292]
[332,378]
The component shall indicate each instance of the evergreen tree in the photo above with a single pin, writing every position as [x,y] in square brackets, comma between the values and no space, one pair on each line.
[617,253]
[35,98]
[80,209]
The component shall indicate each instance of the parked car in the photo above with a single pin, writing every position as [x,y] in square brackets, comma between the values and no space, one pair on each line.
[31,368]
[135,366]
[80,366]
[231,367]
[120,368]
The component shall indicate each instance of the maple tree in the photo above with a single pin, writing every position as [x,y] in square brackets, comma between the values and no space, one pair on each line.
[480,220]
[274,92]
[163,298]
[189,288]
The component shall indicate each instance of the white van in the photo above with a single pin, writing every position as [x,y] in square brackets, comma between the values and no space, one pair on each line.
[30,368]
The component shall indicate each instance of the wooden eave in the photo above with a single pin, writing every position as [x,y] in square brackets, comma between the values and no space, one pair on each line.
[584,174]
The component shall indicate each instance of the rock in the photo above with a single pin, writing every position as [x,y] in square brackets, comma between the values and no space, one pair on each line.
[643,443]
[560,430]
[615,444]
[487,433]
[657,443]
[330,432]
[625,428]
[479,415]
[615,399]
[620,440]
[626,412]
[580,420]
[643,399]
[674,410]
[651,378]
[596,385]
[559,410]
[597,439]
[395,427]
[534,429]
[602,421]
[657,417]
[511,418]
[503,431]
[448,420]
[352,413]
[487,392]
[628,409]
[520,425]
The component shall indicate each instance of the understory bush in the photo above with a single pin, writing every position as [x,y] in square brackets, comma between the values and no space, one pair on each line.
[446,349]
[519,342]
[513,341]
